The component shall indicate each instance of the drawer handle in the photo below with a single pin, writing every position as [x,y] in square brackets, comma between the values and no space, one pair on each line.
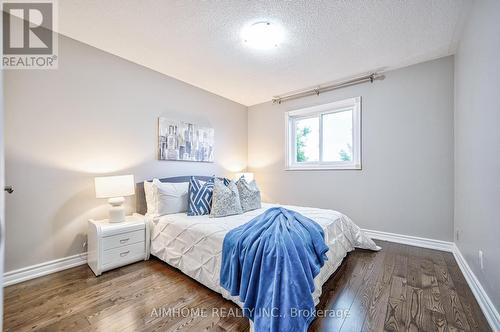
[124,240]
[125,253]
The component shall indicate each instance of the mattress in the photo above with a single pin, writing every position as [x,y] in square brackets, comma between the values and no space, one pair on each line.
[193,244]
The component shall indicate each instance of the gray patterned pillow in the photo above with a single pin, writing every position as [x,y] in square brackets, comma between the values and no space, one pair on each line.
[225,199]
[249,195]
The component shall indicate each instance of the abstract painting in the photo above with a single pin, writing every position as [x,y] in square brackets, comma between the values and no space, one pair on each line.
[180,140]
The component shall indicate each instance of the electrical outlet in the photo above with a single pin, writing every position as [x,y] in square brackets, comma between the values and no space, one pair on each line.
[457,235]
[481,259]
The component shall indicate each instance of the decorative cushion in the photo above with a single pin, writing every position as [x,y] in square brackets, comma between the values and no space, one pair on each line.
[226,180]
[171,197]
[225,200]
[249,195]
[200,197]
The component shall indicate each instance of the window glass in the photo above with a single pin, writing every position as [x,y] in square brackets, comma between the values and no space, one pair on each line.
[337,136]
[307,139]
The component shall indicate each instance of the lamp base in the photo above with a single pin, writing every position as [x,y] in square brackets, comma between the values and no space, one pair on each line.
[116,211]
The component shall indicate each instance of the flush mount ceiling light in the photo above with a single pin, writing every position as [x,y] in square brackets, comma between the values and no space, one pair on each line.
[262,35]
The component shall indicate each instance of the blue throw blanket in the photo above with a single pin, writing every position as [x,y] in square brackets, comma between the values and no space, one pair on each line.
[270,263]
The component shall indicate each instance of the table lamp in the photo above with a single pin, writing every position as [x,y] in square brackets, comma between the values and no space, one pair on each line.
[115,188]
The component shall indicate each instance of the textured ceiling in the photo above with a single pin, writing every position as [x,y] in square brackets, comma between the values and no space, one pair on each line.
[199,41]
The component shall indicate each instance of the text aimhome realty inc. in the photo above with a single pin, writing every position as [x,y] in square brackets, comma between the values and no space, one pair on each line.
[237,312]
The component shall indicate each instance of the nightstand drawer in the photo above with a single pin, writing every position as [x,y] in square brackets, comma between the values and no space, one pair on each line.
[120,240]
[123,253]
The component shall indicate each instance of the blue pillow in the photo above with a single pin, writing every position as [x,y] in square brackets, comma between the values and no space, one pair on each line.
[200,196]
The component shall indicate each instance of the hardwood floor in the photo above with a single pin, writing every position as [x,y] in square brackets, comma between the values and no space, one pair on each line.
[400,288]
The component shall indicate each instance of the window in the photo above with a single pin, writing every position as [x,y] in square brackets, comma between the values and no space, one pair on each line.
[325,137]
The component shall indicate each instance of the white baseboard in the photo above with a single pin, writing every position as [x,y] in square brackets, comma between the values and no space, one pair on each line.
[42,269]
[489,310]
[411,240]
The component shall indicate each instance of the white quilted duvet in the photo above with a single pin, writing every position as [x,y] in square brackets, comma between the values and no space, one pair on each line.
[194,244]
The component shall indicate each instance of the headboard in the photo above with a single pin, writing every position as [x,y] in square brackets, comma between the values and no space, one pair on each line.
[140,196]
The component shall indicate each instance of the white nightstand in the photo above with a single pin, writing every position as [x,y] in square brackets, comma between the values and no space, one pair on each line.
[112,245]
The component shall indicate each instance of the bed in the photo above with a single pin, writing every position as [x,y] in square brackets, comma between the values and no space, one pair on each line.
[193,244]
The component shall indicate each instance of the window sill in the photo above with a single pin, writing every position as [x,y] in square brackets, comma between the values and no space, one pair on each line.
[324,168]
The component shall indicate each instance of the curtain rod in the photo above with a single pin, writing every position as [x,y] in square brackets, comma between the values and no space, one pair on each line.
[320,89]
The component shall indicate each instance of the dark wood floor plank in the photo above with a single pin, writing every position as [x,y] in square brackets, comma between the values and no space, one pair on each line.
[448,258]
[414,309]
[398,288]
[394,319]
[438,321]
[452,305]
[473,312]
[432,296]
[414,274]
[338,296]
[375,316]
[373,286]
[443,276]
[435,256]
[401,266]
[475,318]
[359,307]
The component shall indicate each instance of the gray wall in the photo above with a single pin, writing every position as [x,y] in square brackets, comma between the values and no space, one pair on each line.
[406,185]
[477,144]
[97,114]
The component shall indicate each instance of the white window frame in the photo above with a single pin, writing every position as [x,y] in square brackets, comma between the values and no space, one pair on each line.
[319,111]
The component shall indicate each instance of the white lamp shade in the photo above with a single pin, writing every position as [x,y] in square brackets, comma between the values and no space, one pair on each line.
[248,176]
[114,186]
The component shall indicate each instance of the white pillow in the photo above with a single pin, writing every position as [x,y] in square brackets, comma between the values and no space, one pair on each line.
[171,197]
[151,201]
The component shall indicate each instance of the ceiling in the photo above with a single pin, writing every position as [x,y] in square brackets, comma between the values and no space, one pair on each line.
[199,42]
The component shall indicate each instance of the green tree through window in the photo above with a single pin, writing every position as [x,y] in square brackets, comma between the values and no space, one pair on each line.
[344,155]
[300,137]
